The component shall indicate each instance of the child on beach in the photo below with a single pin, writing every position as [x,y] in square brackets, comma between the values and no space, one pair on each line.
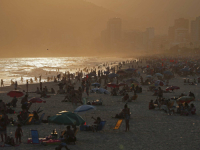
[18,133]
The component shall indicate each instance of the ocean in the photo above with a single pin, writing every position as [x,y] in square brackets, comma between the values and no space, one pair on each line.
[15,68]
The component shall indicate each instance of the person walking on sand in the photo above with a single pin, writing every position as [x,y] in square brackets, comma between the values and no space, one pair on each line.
[2,84]
[126,112]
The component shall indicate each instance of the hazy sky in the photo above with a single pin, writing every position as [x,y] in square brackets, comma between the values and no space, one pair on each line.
[69,27]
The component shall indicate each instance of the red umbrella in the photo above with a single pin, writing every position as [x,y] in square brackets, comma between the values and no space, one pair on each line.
[36,100]
[122,84]
[15,94]
[172,88]
[112,85]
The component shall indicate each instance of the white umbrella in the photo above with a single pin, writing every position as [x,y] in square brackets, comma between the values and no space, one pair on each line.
[84,108]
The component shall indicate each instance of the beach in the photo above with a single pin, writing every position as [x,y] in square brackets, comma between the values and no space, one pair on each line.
[149,129]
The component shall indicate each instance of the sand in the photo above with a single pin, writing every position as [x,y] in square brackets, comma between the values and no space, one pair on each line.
[149,129]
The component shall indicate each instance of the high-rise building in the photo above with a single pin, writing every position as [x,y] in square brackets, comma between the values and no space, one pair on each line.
[148,37]
[195,31]
[179,33]
[114,28]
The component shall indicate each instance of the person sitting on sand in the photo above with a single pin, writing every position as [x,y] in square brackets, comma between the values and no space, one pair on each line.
[13,102]
[69,135]
[160,93]
[125,98]
[191,94]
[52,91]
[38,91]
[192,109]
[35,116]
[43,93]
[24,99]
[151,105]
[97,123]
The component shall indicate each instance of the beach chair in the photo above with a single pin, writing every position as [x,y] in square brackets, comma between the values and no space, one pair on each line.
[118,124]
[28,120]
[41,118]
[35,137]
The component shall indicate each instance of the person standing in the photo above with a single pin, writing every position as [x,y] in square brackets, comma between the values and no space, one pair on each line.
[126,111]
[16,85]
[2,84]
[18,133]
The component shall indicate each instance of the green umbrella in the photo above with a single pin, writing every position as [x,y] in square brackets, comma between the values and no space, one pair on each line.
[62,119]
[79,120]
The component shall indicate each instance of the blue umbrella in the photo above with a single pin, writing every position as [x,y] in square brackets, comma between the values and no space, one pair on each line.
[131,80]
[113,75]
[185,70]
[96,84]
[168,72]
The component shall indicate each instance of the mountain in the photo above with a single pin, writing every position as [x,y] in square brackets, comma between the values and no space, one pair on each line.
[153,13]
[64,27]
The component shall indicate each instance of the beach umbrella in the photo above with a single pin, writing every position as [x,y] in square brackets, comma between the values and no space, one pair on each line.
[185,99]
[15,94]
[131,80]
[106,72]
[96,84]
[121,72]
[62,119]
[36,100]
[149,76]
[131,70]
[84,108]
[79,120]
[158,75]
[159,83]
[112,85]
[113,75]
[168,73]
[172,88]
[122,84]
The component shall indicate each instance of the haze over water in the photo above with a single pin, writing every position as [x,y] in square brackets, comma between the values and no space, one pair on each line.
[15,68]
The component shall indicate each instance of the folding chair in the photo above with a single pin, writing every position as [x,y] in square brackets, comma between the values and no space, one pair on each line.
[118,124]
[35,137]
